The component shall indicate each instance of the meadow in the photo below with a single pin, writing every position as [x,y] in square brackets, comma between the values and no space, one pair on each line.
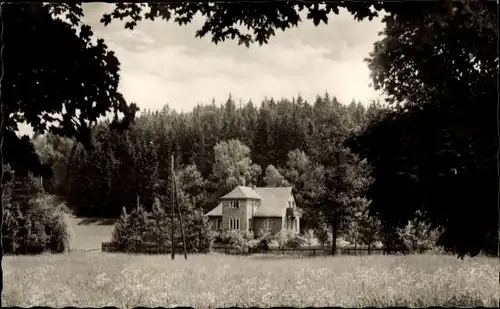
[97,279]
[87,234]
[87,277]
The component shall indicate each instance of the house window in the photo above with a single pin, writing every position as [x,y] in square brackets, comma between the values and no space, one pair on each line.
[234,204]
[218,224]
[250,225]
[266,224]
[234,223]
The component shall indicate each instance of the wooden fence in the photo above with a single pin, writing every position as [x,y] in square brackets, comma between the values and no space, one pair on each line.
[304,251]
[141,249]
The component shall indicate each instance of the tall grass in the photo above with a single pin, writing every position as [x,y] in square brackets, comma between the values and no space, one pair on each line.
[208,281]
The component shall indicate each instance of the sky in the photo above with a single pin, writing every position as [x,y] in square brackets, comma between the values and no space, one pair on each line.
[162,62]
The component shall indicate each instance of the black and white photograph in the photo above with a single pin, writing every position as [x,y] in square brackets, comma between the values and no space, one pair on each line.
[250,153]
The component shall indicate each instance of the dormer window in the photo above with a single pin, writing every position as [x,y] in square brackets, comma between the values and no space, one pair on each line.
[234,204]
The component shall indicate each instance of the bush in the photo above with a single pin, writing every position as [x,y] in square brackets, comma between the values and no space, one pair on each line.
[35,225]
[218,237]
[309,237]
[208,242]
[161,221]
[248,235]
[295,241]
[417,234]
[199,237]
[281,238]
[133,229]
[324,236]
[341,242]
[264,239]
[289,239]
[238,240]
[254,245]
[222,238]
[140,227]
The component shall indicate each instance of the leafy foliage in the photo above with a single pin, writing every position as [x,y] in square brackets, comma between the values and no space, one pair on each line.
[273,178]
[99,182]
[441,78]
[199,237]
[33,223]
[363,228]
[118,170]
[236,239]
[418,234]
[233,166]
[192,186]
[142,227]
[65,87]
[309,237]
[54,152]
[324,235]
[132,229]
[261,19]
[282,237]
[264,240]
[437,63]
[295,241]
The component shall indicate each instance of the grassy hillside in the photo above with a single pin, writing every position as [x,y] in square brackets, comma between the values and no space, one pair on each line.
[88,233]
[95,279]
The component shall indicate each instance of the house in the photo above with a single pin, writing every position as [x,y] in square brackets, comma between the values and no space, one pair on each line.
[253,209]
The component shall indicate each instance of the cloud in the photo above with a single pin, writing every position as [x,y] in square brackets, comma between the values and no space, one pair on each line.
[163,62]
[172,74]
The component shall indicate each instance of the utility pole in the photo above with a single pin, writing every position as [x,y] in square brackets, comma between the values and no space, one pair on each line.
[173,206]
[180,219]
[175,200]
[2,119]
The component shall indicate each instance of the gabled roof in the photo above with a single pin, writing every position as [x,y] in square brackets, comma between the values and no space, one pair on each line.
[241,192]
[217,211]
[274,200]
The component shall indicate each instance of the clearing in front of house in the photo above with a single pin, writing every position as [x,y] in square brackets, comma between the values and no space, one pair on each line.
[208,281]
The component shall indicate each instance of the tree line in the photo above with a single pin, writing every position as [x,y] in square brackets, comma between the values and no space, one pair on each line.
[281,143]
[432,153]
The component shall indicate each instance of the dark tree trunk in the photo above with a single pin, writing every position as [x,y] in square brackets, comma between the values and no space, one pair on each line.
[334,237]
[369,243]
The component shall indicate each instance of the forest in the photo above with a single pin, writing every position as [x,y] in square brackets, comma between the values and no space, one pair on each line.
[420,169]
[279,143]
[430,153]
[217,147]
